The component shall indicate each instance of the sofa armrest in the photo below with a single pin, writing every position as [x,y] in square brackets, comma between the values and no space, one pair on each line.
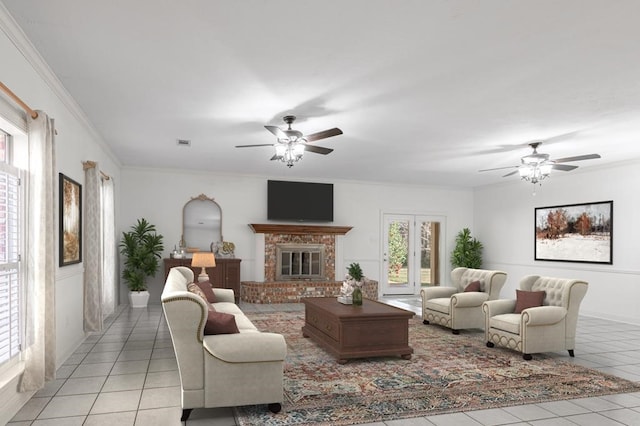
[492,308]
[437,292]
[224,295]
[246,347]
[469,299]
[543,315]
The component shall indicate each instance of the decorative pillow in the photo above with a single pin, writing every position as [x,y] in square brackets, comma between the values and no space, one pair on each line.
[528,299]
[220,323]
[207,289]
[195,289]
[473,286]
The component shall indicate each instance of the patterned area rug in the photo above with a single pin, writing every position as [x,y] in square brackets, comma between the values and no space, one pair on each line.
[446,374]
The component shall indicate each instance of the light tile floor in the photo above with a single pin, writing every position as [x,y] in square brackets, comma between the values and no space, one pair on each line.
[128,375]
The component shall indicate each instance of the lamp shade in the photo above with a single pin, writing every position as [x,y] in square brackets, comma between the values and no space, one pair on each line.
[203,260]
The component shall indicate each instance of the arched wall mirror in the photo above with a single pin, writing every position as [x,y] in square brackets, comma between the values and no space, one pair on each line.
[201,223]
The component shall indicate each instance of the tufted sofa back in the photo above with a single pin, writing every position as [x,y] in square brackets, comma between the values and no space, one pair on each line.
[490,281]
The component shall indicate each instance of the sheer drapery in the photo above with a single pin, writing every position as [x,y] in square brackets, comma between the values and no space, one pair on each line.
[108,248]
[40,327]
[92,243]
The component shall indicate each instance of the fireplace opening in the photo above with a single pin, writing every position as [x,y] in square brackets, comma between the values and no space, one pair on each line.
[300,261]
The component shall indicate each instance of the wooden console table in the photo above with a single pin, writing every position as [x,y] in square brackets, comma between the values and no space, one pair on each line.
[347,331]
[226,273]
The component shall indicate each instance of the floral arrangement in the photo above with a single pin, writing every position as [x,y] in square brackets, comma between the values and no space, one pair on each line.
[352,280]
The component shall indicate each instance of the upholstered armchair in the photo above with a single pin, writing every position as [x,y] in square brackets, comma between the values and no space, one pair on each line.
[456,308]
[551,326]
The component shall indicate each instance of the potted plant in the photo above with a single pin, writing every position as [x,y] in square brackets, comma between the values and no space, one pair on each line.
[467,252]
[142,248]
[355,273]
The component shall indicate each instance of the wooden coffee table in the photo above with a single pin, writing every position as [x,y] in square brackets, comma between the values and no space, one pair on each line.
[346,331]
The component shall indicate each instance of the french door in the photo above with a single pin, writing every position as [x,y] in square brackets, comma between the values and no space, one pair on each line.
[412,245]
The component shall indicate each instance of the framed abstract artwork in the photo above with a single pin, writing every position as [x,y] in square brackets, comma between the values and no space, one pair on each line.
[575,233]
[70,237]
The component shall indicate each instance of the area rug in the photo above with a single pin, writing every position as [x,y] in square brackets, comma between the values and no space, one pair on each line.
[446,373]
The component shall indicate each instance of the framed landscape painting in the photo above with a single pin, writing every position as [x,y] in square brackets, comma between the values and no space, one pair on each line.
[575,233]
[70,237]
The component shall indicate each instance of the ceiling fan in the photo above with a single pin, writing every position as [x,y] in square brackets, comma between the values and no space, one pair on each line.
[291,144]
[537,166]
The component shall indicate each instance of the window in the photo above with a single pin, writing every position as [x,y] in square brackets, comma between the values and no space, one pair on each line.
[10,288]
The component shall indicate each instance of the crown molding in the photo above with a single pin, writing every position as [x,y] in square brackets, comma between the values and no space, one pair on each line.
[17,36]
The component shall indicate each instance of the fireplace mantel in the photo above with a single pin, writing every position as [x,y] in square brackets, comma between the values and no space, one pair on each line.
[269,228]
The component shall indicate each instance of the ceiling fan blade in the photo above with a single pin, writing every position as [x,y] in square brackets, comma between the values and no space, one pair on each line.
[251,146]
[323,135]
[563,167]
[317,149]
[577,158]
[512,173]
[277,132]
[498,168]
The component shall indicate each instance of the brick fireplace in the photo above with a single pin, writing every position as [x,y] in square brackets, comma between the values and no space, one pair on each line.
[272,239]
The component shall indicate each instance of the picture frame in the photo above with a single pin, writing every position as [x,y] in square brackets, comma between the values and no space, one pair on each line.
[70,236]
[580,233]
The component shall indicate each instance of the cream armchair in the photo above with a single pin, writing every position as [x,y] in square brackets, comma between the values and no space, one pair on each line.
[545,328]
[453,307]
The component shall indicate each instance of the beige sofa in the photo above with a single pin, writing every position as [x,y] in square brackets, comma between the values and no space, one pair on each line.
[225,369]
[545,328]
[452,307]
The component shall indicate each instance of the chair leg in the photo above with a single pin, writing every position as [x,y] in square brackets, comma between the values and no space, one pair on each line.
[185,414]
[490,344]
[571,354]
[275,407]
[455,331]
[527,357]
[425,322]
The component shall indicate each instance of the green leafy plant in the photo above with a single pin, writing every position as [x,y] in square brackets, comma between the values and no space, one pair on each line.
[142,248]
[355,271]
[467,252]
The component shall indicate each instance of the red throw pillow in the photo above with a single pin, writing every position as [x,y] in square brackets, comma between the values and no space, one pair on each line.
[220,323]
[207,289]
[528,299]
[473,286]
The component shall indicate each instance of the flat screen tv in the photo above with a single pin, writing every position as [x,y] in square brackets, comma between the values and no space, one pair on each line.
[299,201]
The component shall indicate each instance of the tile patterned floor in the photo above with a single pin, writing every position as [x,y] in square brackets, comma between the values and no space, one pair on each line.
[128,375]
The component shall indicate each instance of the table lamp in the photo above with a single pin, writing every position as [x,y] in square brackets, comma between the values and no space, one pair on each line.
[203,260]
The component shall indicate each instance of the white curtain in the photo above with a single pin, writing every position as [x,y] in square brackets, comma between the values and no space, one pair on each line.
[108,248]
[92,243]
[40,327]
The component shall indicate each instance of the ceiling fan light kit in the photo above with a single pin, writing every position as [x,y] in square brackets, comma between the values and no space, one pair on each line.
[289,152]
[536,167]
[291,144]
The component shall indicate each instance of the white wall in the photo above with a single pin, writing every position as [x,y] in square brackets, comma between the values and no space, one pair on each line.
[159,195]
[504,222]
[24,72]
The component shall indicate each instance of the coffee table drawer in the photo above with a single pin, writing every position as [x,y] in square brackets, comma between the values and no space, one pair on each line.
[330,327]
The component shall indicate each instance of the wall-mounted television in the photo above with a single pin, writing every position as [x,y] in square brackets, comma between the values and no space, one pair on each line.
[299,201]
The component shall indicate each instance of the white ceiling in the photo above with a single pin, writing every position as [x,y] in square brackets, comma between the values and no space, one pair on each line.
[425,91]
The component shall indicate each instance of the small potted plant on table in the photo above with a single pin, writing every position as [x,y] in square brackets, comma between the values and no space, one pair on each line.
[355,273]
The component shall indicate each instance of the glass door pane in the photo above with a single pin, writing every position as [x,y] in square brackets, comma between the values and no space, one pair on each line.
[411,253]
[398,278]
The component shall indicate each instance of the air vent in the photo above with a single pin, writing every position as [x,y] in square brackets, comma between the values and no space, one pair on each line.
[184,142]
